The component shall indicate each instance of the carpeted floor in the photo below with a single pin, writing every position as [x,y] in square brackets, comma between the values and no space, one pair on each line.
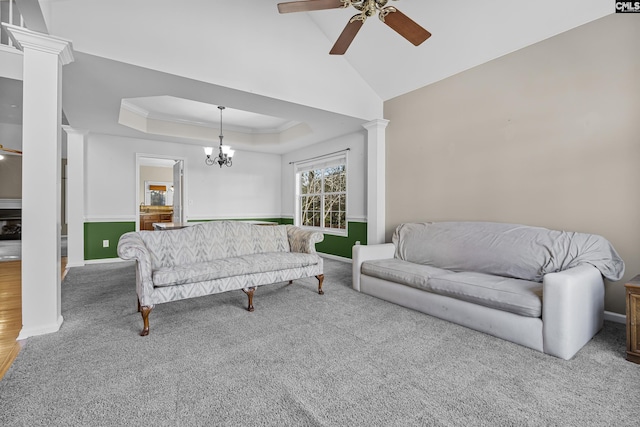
[342,359]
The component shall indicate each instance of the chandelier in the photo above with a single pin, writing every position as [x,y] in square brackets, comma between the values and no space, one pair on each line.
[225,153]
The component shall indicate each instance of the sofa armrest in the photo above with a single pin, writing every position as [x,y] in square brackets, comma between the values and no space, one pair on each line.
[572,309]
[361,253]
[132,247]
[303,241]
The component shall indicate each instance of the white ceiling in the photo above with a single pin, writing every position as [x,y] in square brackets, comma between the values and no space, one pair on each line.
[167,58]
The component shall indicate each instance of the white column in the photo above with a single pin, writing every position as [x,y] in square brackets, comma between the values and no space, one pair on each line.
[376,180]
[43,58]
[76,141]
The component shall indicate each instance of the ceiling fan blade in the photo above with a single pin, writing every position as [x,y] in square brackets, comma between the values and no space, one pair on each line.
[406,27]
[10,150]
[304,6]
[346,37]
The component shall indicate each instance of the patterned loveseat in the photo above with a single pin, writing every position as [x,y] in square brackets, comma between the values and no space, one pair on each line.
[215,257]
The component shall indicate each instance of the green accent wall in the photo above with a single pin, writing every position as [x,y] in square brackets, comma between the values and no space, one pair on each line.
[96,232]
[342,245]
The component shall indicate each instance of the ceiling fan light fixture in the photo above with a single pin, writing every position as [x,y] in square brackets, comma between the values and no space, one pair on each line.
[398,21]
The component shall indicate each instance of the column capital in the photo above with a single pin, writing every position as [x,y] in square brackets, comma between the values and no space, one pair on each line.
[74,131]
[376,124]
[24,38]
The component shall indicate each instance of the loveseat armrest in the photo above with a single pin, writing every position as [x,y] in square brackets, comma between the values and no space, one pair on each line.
[132,247]
[362,253]
[303,241]
[572,309]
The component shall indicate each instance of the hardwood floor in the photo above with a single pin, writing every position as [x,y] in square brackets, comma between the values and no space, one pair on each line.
[11,311]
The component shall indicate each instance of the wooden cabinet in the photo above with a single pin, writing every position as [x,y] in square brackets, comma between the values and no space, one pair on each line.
[147,219]
[633,319]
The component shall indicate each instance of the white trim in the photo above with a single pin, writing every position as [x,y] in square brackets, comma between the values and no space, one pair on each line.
[362,219]
[335,257]
[376,195]
[40,330]
[185,186]
[75,264]
[10,203]
[615,317]
[11,49]
[110,218]
[357,219]
[158,116]
[323,161]
[25,38]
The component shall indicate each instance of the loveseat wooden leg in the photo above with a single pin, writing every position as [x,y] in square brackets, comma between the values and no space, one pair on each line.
[320,278]
[249,292]
[145,310]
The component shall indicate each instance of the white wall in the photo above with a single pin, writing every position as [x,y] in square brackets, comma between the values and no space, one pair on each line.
[545,136]
[250,188]
[356,173]
[282,56]
[11,60]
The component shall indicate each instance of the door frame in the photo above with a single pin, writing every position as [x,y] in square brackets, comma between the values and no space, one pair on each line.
[139,162]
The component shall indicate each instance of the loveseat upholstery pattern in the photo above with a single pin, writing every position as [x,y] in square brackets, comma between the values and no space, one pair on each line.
[537,287]
[217,256]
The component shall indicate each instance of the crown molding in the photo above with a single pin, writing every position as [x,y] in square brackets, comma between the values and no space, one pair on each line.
[25,38]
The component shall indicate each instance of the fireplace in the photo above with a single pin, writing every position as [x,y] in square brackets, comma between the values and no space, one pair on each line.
[10,219]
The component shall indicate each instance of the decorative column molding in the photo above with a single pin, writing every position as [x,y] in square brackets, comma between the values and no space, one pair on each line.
[76,143]
[43,58]
[26,39]
[376,195]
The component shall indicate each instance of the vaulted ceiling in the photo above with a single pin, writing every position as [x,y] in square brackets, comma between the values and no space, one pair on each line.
[245,55]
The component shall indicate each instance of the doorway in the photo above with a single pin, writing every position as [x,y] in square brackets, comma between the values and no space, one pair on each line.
[160,191]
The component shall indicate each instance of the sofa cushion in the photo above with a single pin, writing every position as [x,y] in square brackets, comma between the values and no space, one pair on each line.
[508,250]
[406,273]
[521,297]
[235,266]
[212,240]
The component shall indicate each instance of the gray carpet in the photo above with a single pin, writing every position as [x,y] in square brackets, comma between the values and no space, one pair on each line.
[342,359]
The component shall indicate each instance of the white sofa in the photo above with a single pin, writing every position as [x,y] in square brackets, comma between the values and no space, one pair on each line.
[536,287]
[215,257]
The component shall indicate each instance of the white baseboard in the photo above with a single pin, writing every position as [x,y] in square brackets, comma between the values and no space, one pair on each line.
[31,331]
[335,257]
[74,264]
[615,317]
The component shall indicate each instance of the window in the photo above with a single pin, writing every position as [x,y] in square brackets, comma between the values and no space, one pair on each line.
[322,194]
[158,193]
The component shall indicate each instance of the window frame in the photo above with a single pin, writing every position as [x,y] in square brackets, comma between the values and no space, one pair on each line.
[168,192]
[321,163]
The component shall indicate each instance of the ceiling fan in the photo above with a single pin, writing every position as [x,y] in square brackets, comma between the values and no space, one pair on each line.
[391,16]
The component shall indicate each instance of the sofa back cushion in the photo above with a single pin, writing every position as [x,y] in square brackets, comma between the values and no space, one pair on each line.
[212,240]
[508,250]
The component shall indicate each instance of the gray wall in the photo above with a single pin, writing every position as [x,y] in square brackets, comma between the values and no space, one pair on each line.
[10,177]
[547,136]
